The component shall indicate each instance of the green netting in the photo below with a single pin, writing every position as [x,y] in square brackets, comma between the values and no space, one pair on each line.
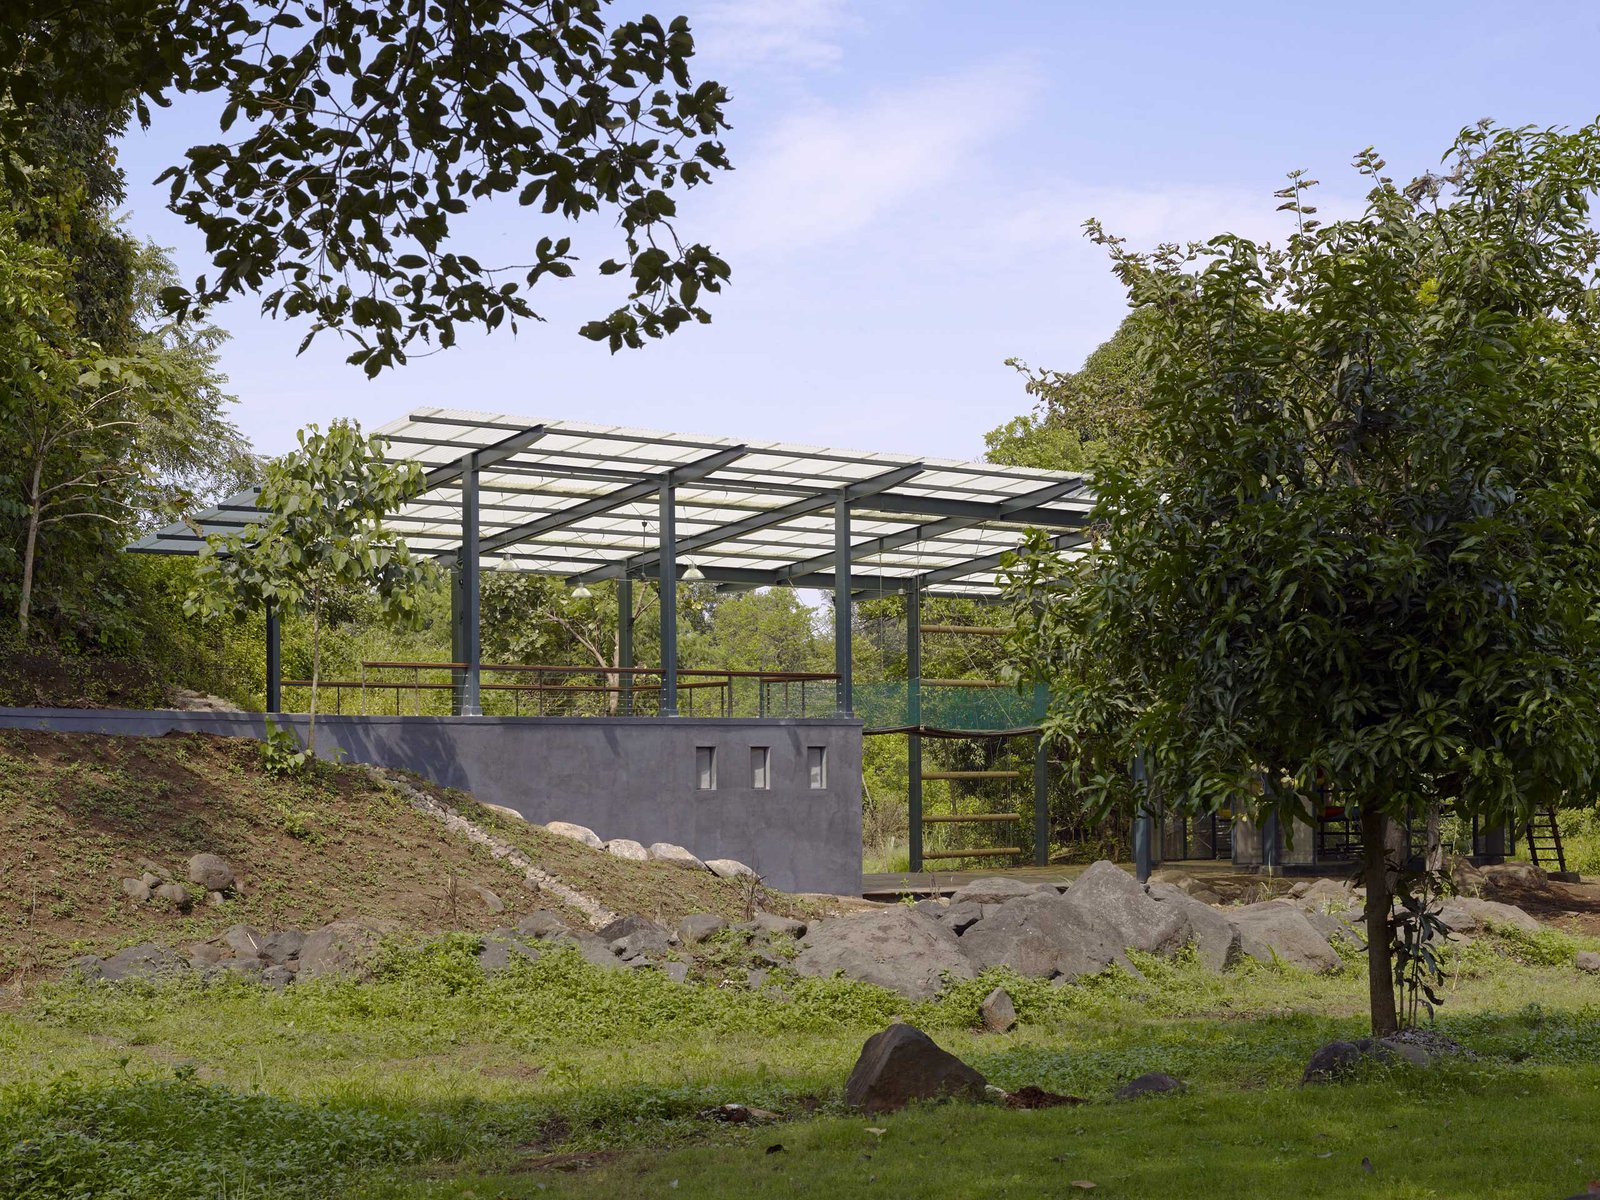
[887,706]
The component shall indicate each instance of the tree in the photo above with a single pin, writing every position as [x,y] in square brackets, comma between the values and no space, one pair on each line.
[1080,413]
[368,129]
[323,532]
[1352,550]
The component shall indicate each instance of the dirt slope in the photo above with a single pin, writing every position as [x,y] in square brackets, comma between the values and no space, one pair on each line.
[79,812]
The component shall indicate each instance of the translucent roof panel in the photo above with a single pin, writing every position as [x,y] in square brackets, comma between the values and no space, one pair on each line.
[581,501]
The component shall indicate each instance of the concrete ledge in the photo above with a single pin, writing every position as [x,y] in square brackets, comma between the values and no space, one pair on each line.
[630,777]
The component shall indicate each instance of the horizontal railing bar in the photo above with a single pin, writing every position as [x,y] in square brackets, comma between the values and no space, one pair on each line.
[926,775]
[971,683]
[996,851]
[959,819]
[982,630]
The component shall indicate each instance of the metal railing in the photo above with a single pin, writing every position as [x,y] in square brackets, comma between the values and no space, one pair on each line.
[516,689]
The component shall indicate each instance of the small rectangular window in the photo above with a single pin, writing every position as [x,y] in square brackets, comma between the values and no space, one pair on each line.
[817,765]
[760,776]
[705,768]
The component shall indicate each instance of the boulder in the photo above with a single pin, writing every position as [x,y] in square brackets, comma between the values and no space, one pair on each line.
[1217,941]
[641,943]
[341,948]
[176,895]
[594,951]
[998,1011]
[627,848]
[897,948]
[994,890]
[730,868]
[541,923]
[1043,937]
[1115,900]
[775,926]
[1153,1083]
[498,953]
[1325,892]
[148,962]
[621,927]
[1517,874]
[1469,879]
[243,940]
[1333,1061]
[578,833]
[1332,925]
[675,856]
[211,872]
[136,889]
[1274,930]
[1492,912]
[697,927]
[205,954]
[902,1065]
[277,976]
[280,945]
[1587,961]
[960,917]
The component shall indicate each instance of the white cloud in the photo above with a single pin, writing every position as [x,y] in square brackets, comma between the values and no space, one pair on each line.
[832,171]
[798,33]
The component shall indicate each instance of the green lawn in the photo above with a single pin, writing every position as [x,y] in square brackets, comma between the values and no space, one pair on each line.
[436,1082]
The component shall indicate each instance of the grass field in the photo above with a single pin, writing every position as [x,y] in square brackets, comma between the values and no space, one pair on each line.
[556,1079]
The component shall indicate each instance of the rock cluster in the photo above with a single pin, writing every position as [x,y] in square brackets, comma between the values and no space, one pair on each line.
[663,852]
[273,957]
[1067,932]
[207,876]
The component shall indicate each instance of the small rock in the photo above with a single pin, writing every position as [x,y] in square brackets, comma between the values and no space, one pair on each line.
[620,927]
[1153,1083]
[1587,960]
[627,848]
[487,898]
[755,978]
[641,943]
[678,972]
[901,1065]
[729,868]
[998,1011]
[277,976]
[675,856]
[216,899]
[542,924]
[281,945]
[156,869]
[697,927]
[578,833]
[136,889]
[205,954]
[1300,889]
[510,814]
[1333,1061]
[176,895]
[211,872]
[151,880]
[243,940]
[776,926]
[141,962]
[497,953]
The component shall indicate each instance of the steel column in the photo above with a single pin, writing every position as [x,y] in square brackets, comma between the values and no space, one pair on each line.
[669,599]
[842,632]
[914,720]
[1143,850]
[625,641]
[1041,784]
[274,660]
[1269,843]
[471,639]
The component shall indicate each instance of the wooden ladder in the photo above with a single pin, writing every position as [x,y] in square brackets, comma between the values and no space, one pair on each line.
[972,818]
[1544,841]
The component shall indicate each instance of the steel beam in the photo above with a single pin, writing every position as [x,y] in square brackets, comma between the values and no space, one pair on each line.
[757,521]
[1041,783]
[499,451]
[625,641]
[613,500]
[1143,850]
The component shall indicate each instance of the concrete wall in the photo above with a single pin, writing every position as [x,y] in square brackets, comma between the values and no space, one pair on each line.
[630,777]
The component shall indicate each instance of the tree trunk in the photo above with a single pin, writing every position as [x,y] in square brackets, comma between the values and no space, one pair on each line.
[316,669]
[29,550]
[1433,859]
[1379,881]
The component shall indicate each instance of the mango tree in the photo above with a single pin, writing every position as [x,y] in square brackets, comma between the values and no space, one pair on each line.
[1352,547]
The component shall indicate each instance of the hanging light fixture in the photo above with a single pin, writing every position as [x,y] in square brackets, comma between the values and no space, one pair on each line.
[693,574]
[581,592]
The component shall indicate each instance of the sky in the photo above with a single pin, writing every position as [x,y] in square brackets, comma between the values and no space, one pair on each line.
[905,214]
